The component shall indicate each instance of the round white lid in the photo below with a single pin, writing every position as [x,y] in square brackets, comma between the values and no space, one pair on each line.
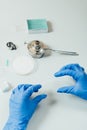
[23,65]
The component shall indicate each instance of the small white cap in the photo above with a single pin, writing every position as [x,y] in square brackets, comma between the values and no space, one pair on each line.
[5,86]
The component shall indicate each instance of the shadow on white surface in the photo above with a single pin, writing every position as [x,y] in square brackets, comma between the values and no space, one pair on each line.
[50,28]
[43,112]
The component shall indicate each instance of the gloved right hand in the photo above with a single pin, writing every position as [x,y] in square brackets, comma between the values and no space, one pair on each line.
[79,75]
[22,106]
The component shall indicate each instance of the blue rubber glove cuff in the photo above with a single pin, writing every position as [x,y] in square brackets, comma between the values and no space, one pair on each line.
[15,125]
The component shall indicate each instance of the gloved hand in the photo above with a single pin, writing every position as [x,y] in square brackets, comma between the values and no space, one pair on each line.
[79,75]
[22,106]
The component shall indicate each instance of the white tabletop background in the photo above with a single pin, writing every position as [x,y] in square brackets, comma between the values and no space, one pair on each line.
[67,31]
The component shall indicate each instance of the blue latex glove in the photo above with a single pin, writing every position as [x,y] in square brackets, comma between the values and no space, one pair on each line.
[22,106]
[79,75]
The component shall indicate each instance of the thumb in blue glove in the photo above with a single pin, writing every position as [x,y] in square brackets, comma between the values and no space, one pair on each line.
[78,74]
[22,106]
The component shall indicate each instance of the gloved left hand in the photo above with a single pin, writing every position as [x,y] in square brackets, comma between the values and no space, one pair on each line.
[79,75]
[22,106]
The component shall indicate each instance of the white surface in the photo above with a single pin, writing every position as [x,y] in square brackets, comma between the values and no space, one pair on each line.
[68,32]
[23,65]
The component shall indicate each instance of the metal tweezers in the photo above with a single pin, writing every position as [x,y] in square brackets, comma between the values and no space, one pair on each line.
[63,52]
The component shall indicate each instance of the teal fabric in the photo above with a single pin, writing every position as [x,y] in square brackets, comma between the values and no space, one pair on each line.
[37,24]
